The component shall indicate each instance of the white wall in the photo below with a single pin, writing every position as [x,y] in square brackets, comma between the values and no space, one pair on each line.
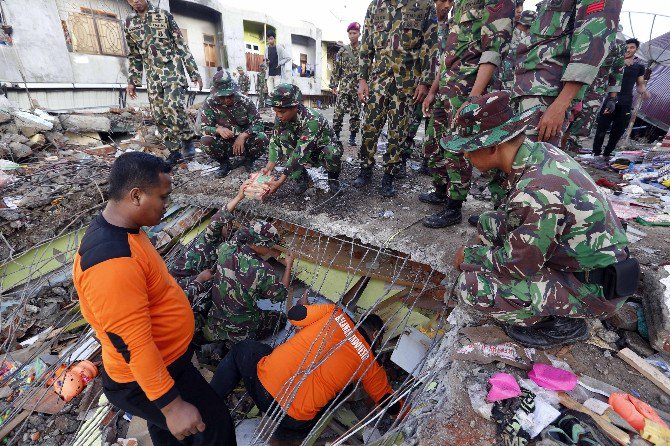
[195,28]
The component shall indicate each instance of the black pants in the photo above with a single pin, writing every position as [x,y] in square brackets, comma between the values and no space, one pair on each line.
[193,388]
[619,120]
[240,364]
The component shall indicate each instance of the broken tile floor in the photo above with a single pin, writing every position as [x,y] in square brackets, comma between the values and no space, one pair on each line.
[340,240]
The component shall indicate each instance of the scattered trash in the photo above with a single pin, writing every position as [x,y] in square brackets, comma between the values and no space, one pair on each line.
[552,378]
[503,386]
[71,381]
[633,410]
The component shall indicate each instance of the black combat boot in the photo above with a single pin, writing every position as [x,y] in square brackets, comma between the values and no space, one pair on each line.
[364,177]
[337,134]
[174,158]
[248,164]
[449,216]
[334,185]
[302,183]
[473,220]
[550,332]
[224,169]
[188,151]
[387,189]
[438,196]
[352,139]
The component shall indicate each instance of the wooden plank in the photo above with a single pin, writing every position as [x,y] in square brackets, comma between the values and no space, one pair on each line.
[647,370]
[7,428]
[611,430]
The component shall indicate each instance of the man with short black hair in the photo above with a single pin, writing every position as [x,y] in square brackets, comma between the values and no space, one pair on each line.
[276,57]
[140,314]
[340,351]
[633,75]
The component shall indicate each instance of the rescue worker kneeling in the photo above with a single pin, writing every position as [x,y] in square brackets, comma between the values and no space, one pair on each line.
[326,340]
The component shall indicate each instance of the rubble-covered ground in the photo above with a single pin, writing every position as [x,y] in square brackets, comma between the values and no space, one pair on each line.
[61,184]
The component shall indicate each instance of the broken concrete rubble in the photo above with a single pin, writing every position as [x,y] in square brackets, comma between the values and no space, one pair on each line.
[85,123]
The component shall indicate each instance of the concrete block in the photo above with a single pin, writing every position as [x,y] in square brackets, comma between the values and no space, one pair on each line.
[19,150]
[656,304]
[5,117]
[85,123]
[30,124]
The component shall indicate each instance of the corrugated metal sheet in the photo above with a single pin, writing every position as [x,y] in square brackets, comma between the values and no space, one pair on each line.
[656,109]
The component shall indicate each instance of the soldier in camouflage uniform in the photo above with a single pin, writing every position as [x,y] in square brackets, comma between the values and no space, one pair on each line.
[344,84]
[242,277]
[479,35]
[157,46]
[397,51]
[194,269]
[560,57]
[608,82]
[504,77]
[302,136]
[262,86]
[231,125]
[540,254]
[243,81]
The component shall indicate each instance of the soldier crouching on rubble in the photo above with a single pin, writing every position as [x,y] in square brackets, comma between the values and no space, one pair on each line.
[305,374]
[302,136]
[554,252]
[140,315]
[231,125]
[225,308]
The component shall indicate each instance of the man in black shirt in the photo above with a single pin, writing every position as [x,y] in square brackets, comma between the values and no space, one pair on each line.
[619,118]
[276,57]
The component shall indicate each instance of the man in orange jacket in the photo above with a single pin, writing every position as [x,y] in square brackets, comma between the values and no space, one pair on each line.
[308,371]
[141,315]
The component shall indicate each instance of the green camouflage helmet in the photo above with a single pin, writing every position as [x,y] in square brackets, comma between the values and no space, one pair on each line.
[527,17]
[259,233]
[224,84]
[284,96]
[486,121]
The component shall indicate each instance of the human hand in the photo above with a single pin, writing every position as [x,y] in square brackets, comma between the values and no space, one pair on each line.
[130,89]
[420,93]
[551,121]
[238,145]
[459,258]
[199,82]
[427,103]
[334,91]
[610,105]
[204,276]
[182,419]
[646,95]
[363,91]
[225,132]
[267,170]
[289,258]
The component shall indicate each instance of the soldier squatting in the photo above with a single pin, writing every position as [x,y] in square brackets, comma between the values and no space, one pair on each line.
[550,254]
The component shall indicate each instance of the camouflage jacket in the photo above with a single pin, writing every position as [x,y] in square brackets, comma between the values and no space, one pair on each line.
[156,44]
[261,82]
[345,73]
[480,33]
[555,217]
[242,277]
[200,256]
[244,83]
[506,69]
[242,117]
[567,43]
[610,73]
[297,140]
[399,42]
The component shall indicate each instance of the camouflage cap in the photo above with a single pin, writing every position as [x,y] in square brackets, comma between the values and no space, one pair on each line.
[285,95]
[223,84]
[259,233]
[486,121]
[527,17]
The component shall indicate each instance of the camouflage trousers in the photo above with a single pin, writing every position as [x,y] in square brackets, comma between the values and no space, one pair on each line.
[222,149]
[414,124]
[526,301]
[347,103]
[386,102]
[265,324]
[437,127]
[457,168]
[523,103]
[584,120]
[262,97]
[328,156]
[167,107]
